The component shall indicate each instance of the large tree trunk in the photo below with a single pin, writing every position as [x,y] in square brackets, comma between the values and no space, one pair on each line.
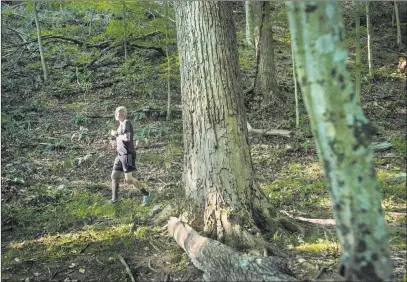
[265,80]
[342,136]
[218,172]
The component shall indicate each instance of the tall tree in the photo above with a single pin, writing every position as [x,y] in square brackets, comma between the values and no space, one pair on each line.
[342,136]
[214,119]
[218,172]
[266,79]
[40,47]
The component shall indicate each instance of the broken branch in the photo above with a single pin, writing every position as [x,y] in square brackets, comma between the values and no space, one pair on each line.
[127,268]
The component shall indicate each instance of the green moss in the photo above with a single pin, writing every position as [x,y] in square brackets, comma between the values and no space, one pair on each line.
[322,246]
[399,144]
[392,184]
[397,239]
[140,233]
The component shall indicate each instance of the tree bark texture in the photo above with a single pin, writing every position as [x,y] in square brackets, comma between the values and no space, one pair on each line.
[265,81]
[222,263]
[342,135]
[218,171]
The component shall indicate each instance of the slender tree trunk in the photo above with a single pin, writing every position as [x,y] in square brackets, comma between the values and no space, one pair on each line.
[168,64]
[342,136]
[125,32]
[393,16]
[369,46]
[265,81]
[40,47]
[396,11]
[248,15]
[297,110]
[358,51]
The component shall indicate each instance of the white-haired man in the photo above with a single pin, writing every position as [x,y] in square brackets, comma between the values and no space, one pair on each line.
[126,156]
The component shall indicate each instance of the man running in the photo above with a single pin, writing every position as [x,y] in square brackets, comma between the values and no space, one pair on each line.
[126,156]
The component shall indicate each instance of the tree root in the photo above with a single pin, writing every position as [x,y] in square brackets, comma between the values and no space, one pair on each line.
[222,263]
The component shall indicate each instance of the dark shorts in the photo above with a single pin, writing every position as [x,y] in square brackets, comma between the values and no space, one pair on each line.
[125,163]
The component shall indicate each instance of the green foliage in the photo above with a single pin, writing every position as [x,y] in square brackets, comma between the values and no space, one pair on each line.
[299,185]
[82,134]
[148,132]
[54,145]
[15,120]
[173,153]
[80,119]
[141,231]
[400,144]
[139,116]
[84,158]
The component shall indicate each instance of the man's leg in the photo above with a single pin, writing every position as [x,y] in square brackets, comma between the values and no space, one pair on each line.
[115,184]
[128,176]
[130,179]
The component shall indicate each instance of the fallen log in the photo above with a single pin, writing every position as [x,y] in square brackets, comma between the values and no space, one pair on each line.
[383,146]
[222,263]
[269,132]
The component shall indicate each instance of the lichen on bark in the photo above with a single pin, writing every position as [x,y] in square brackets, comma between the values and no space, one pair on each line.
[342,135]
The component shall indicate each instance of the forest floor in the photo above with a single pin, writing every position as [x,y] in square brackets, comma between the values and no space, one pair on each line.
[57,220]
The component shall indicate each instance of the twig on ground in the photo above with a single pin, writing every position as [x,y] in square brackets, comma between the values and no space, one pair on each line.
[157,249]
[84,248]
[149,266]
[322,270]
[127,268]
[55,274]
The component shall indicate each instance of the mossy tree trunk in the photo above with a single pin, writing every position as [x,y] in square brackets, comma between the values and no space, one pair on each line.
[265,81]
[342,135]
[40,46]
[218,171]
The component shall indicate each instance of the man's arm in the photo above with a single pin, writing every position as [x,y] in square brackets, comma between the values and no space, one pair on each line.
[125,136]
